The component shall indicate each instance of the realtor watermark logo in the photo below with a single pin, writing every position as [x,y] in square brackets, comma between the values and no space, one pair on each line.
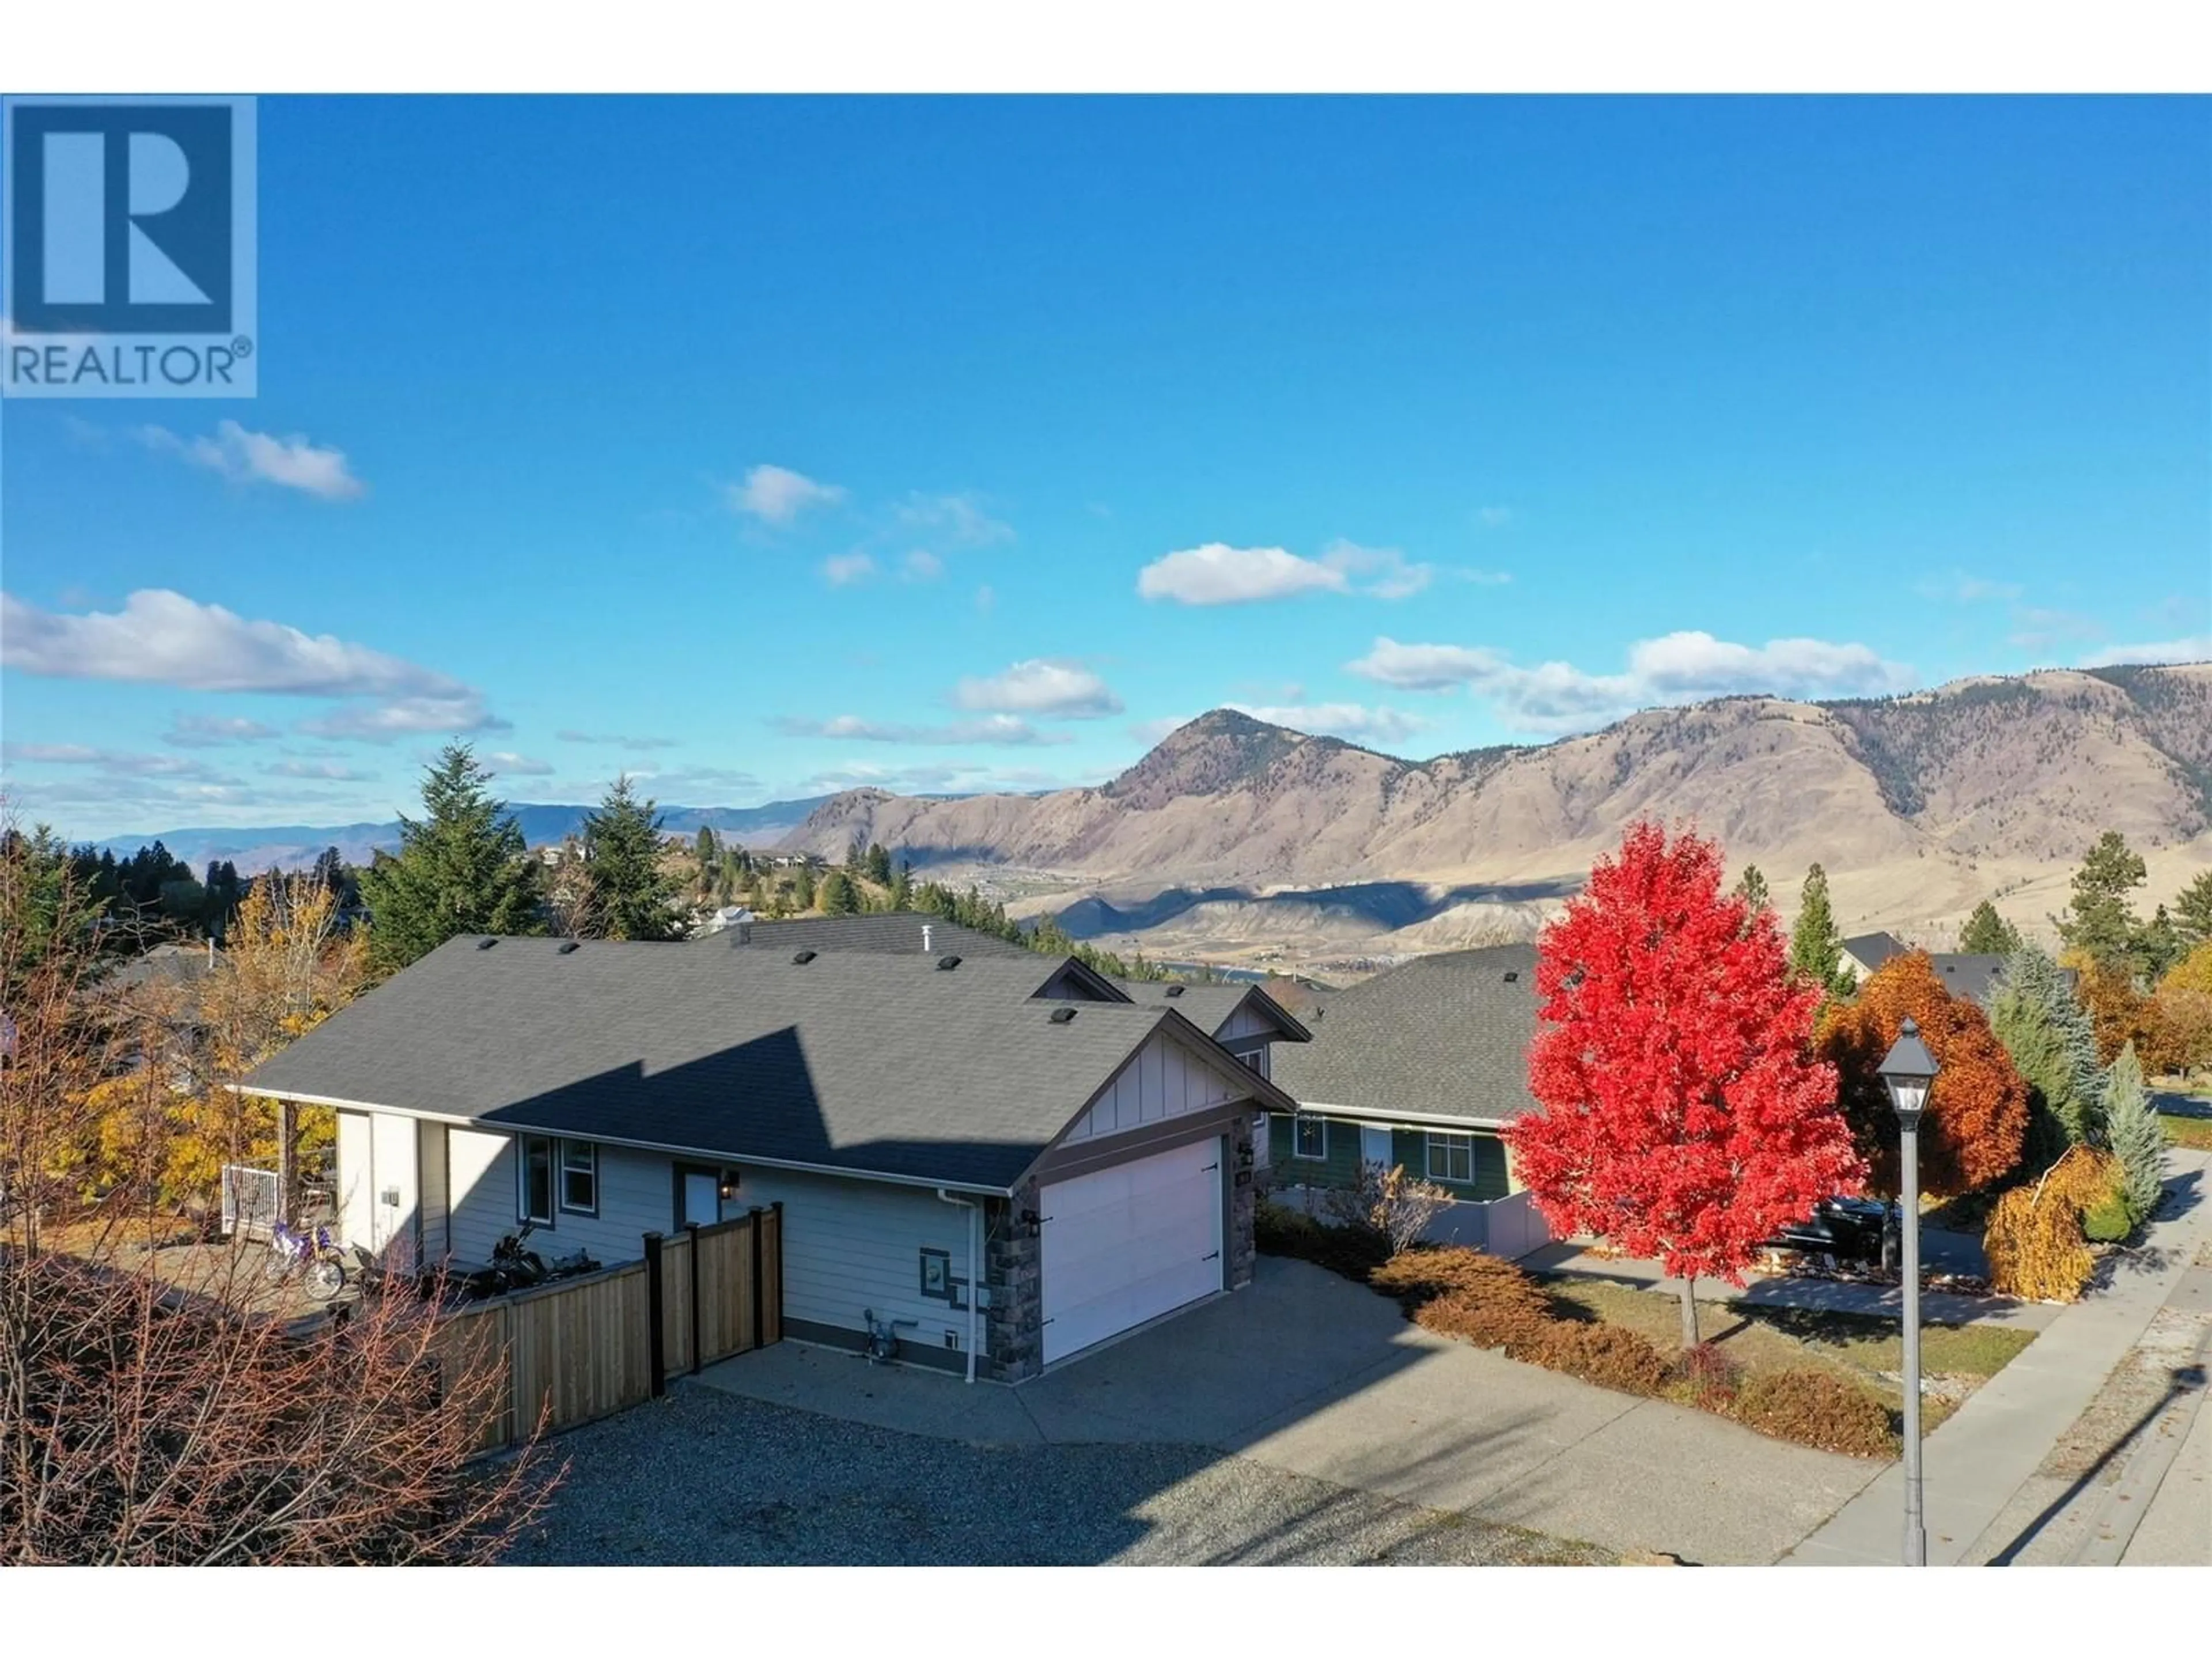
[130,248]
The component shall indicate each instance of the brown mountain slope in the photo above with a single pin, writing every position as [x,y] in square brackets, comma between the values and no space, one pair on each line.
[1918,806]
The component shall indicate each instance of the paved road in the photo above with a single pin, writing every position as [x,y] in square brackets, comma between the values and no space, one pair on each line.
[1316,1379]
[1982,1466]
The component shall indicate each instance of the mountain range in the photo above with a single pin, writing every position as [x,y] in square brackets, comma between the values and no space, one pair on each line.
[1234,836]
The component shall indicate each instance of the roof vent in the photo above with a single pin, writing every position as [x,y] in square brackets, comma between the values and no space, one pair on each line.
[1173,990]
[569,944]
[946,963]
[1061,1015]
[1512,975]
[486,944]
[802,958]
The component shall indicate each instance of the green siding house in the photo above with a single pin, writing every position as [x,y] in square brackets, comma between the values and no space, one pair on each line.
[1420,1067]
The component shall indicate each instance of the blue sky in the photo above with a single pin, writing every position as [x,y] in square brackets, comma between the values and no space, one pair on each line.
[767,446]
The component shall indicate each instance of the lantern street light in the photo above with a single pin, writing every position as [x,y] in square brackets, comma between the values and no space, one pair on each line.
[1908,1071]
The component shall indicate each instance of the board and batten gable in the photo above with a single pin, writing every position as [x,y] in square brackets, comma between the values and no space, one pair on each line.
[1163,1080]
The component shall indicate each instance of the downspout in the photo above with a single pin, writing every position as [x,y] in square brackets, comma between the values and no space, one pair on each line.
[975,1262]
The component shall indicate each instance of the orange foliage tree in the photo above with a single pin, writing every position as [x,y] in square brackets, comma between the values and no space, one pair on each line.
[2120,1014]
[1978,1112]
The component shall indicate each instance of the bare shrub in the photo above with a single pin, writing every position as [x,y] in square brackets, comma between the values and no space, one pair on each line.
[1389,1202]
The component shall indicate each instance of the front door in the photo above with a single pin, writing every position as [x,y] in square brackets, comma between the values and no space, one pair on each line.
[702,1198]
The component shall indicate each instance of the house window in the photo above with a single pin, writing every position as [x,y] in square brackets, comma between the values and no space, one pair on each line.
[580,1177]
[1309,1137]
[1451,1157]
[533,1180]
[1254,1060]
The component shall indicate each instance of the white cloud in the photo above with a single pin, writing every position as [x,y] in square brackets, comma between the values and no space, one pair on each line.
[1686,666]
[329,771]
[986,599]
[408,717]
[959,520]
[210,730]
[1217,573]
[247,456]
[1355,721]
[114,763]
[949,778]
[921,565]
[1960,588]
[776,495]
[517,766]
[992,729]
[843,570]
[1494,518]
[1150,732]
[1487,578]
[614,740]
[163,638]
[2197,647]
[1042,685]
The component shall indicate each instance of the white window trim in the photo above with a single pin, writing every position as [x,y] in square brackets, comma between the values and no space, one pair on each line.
[562,1171]
[522,1180]
[1299,1120]
[1453,1144]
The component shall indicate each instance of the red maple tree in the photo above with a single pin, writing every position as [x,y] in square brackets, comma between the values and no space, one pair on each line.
[1683,1118]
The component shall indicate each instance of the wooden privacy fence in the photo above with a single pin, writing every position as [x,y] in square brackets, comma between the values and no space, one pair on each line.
[583,1348]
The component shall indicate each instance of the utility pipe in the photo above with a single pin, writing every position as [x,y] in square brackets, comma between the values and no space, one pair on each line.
[975,1266]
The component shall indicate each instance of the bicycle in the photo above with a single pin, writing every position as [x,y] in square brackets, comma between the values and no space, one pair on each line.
[312,1255]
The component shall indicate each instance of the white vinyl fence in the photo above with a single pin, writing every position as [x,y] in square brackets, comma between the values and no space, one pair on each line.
[249,1200]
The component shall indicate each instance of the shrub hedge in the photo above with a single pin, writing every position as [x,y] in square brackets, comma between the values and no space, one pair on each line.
[1815,1408]
[2034,1239]
[1354,1252]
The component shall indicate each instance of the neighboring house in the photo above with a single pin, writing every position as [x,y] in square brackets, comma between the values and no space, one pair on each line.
[1420,1067]
[885,933]
[929,1123]
[1868,952]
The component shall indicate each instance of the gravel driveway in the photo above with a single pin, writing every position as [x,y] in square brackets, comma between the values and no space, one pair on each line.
[708,1478]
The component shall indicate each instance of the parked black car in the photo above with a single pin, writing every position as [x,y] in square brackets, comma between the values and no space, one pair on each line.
[1848,1229]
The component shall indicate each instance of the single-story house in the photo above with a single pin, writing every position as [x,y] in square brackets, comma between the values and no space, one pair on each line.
[1864,952]
[1420,1067]
[1009,1156]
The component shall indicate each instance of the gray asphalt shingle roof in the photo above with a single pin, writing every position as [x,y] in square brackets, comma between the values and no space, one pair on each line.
[1441,1036]
[1210,1007]
[890,932]
[874,1063]
[1870,950]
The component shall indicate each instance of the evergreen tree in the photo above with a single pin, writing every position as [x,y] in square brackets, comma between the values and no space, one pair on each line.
[2053,1047]
[856,855]
[903,887]
[880,864]
[2159,945]
[632,898]
[463,869]
[838,896]
[1751,888]
[1989,934]
[2134,1134]
[330,869]
[1816,949]
[2099,919]
[802,889]
[2192,911]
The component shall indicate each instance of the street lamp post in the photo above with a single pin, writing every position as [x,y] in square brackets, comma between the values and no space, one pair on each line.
[1907,1072]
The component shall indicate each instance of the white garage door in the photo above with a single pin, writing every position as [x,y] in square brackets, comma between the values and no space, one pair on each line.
[1129,1243]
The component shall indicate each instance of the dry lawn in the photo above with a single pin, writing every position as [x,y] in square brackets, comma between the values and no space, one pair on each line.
[1959,1358]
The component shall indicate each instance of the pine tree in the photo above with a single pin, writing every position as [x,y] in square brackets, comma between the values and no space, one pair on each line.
[1816,949]
[2192,910]
[632,898]
[464,869]
[1751,888]
[879,864]
[802,890]
[2099,919]
[838,896]
[902,896]
[2134,1134]
[2053,1046]
[1989,934]
[2159,944]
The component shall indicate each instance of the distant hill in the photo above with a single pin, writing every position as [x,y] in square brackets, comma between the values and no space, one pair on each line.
[293,845]
[1236,831]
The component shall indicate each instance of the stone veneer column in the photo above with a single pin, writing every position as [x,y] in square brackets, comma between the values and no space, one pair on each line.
[1244,1203]
[1014,1322]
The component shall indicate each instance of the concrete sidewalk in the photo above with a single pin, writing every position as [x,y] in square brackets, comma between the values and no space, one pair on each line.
[1309,1373]
[1976,1464]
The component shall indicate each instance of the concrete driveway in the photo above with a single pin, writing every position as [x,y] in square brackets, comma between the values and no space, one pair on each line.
[1309,1373]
